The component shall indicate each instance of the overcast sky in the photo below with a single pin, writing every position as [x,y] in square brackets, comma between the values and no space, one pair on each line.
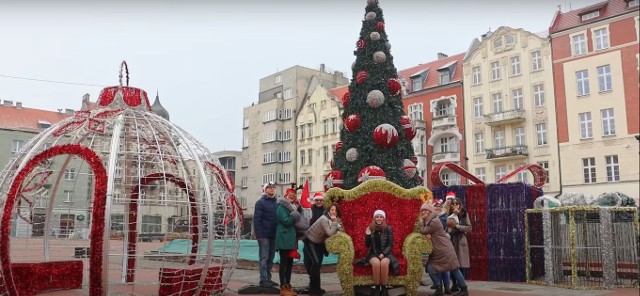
[205,57]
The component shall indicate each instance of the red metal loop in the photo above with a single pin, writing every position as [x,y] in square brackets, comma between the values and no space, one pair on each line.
[538,172]
[435,173]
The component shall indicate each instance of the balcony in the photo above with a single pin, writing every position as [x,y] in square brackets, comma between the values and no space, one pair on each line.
[419,124]
[449,156]
[445,120]
[438,133]
[505,117]
[508,153]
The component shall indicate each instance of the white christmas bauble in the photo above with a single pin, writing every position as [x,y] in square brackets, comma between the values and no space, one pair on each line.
[370,16]
[388,45]
[409,168]
[375,98]
[352,154]
[379,57]
[375,36]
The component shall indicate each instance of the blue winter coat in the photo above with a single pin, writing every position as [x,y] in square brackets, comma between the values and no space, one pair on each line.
[264,217]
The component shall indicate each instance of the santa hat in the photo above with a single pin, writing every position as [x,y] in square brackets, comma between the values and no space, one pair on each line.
[266,185]
[318,196]
[290,190]
[380,212]
[450,195]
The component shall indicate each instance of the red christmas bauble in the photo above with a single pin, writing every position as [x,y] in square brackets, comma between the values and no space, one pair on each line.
[414,159]
[345,99]
[409,168]
[352,122]
[371,172]
[360,44]
[361,77]
[408,127]
[394,86]
[385,135]
[380,26]
[338,147]
[333,179]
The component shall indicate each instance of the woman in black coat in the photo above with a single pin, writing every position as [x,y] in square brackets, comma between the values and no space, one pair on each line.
[379,241]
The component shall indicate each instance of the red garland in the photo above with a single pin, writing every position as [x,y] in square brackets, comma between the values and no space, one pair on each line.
[232,203]
[97,223]
[184,282]
[358,214]
[95,123]
[133,221]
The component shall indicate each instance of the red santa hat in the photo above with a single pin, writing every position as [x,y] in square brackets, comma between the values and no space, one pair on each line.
[290,190]
[318,196]
[450,195]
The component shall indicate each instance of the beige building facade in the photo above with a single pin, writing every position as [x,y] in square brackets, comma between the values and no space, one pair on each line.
[510,115]
[269,130]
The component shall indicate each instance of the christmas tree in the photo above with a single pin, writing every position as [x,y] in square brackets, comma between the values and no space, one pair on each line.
[375,140]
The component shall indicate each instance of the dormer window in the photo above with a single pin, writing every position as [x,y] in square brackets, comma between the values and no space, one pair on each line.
[445,77]
[418,79]
[44,124]
[590,15]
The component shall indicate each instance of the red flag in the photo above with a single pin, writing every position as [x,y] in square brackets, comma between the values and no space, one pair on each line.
[304,199]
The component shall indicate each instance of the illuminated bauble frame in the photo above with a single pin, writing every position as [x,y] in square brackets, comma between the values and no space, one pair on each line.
[89,203]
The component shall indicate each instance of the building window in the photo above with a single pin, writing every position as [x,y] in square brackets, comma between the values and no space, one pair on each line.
[590,15]
[269,136]
[509,39]
[246,123]
[284,135]
[477,77]
[497,43]
[417,83]
[245,142]
[444,145]
[613,168]
[589,169]
[269,116]
[501,171]
[244,181]
[70,174]
[515,65]
[334,125]
[303,159]
[604,78]
[310,129]
[68,196]
[601,38]
[325,126]
[479,137]
[310,155]
[415,111]
[582,81]
[519,136]
[536,60]
[285,178]
[538,95]
[497,102]
[545,166]
[445,77]
[477,107]
[284,156]
[499,139]
[518,101]
[325,154]
[633,3]
[608,122]
[495,70]
[579,44]
[541,134]
[278,79]
[301,131]
[245,161]
[481,174]
[443,108]
[16,145]
[522,175]
[288,94]
[586,130]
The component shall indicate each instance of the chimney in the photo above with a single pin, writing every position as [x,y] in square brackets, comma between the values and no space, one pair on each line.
[442,56]
[8,103]
[18,105]
[68,111]
[321,67]
[85,98]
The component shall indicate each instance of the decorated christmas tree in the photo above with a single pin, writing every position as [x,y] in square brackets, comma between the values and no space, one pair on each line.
[375,140]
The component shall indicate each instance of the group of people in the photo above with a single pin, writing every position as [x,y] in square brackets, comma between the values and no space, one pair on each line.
[279,223]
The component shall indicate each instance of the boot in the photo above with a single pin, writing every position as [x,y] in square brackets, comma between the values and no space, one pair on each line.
[375,290]
[286,290]
[447,291]
[463,291]
[454,288]
[437,292]
[383,290]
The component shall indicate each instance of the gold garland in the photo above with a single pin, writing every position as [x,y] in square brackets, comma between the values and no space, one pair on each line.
[572,240]
[336,194]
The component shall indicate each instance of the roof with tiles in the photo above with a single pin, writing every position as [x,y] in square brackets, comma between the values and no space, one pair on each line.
[28,119]
[571,19]
[338,92]
[433,79]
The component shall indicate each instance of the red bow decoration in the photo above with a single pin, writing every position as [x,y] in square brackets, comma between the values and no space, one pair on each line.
[96,123]
[33,185]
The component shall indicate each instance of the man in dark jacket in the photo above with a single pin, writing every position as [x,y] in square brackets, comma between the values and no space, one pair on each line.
[317,210]
[264,224]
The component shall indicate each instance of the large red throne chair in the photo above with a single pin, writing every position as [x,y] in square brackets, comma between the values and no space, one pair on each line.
[402,207]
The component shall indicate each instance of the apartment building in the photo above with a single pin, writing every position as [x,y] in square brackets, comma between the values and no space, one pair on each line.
[432,98]
[595,65]
[270,131]
[510,114]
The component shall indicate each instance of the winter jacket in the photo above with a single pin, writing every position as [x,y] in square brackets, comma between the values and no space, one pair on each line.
[264,217]
[459,239]
[443,258]
[316,212]
[286,229]
[322,229]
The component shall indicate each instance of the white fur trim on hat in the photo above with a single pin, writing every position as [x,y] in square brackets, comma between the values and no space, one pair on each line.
[318,196]
[264,187]
[380,212]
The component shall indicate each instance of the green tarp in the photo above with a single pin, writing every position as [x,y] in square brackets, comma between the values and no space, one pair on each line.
[248,249]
